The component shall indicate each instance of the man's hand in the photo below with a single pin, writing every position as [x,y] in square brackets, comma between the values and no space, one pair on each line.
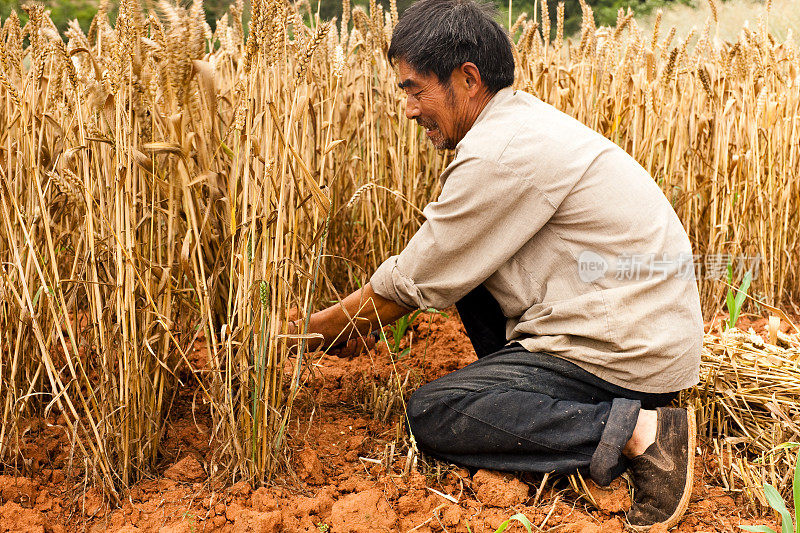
[350,348]
[356,347]
[294,333]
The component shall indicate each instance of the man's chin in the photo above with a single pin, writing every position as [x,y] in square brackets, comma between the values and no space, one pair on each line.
[439,142]
[443,145]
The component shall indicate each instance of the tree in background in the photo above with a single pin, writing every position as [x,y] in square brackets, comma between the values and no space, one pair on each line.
[331,8]
[605,11]
[62,11]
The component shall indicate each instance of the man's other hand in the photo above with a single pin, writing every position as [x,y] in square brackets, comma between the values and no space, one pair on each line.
[356,347]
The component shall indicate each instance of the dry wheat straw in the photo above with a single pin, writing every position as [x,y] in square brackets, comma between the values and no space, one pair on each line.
[190,193]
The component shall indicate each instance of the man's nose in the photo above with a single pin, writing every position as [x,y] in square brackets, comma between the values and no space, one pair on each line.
[412,109]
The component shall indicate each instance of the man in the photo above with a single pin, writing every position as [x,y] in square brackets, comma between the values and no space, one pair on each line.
[576,361]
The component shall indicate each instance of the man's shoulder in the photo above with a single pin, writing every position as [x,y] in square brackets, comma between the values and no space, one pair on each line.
[521,130]
[499,124]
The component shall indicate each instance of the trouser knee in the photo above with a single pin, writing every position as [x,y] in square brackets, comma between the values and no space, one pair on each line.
[420,409]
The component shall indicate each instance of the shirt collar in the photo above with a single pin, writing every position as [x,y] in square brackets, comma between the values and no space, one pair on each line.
[499,97]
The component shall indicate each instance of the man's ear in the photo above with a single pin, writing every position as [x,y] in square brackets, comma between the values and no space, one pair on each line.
[472,78]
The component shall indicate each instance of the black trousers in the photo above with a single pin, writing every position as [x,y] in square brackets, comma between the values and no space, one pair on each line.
[517,410]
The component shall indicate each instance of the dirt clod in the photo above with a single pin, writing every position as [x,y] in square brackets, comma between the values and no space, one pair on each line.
[452,515]
[584,526]
[499,489]
[613,498]
[254,522]
[233,512]
[20,490]
[309,467]
[241,488]
[16,519]
[263,500]
[363,512]
[181,526]
[186,470]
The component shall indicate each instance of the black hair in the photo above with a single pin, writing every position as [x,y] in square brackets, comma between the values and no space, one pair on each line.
[438,36]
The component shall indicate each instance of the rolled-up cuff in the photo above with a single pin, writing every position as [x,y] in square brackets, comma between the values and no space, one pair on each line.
[390,283]
[608,462]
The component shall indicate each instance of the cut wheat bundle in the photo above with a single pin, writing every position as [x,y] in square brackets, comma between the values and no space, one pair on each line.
[748,406]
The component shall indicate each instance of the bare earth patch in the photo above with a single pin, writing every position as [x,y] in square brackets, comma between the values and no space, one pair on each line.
[350,470]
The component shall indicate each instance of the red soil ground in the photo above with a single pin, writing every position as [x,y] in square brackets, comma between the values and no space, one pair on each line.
[350,470]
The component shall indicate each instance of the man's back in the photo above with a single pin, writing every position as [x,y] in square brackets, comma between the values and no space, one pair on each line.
[572,237]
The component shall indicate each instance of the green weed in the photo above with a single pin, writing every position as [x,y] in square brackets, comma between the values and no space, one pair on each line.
[736,301]
[399,329]
[776,502]
[519,517]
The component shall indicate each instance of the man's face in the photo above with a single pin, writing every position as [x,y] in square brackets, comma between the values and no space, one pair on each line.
[437,107]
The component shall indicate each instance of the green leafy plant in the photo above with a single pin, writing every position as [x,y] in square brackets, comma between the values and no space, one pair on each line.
[399,329]
[735,299]
[776,502]
[191,518]
[519,517]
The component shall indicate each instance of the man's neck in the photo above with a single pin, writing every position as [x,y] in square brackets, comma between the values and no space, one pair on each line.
[476,105]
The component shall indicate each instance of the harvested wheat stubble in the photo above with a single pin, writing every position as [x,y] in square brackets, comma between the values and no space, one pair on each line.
[749,405]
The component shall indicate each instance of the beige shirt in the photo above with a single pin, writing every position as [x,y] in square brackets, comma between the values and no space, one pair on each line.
[574,239]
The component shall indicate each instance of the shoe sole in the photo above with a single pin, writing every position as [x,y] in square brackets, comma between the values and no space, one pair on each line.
[683,504]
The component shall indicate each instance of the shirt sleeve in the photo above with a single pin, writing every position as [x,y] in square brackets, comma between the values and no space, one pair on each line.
[485,213]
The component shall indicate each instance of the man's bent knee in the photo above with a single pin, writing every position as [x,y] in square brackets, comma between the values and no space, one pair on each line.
[415,409]
[423,409]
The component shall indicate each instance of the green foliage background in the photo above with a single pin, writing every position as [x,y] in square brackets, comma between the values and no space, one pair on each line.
[62,11]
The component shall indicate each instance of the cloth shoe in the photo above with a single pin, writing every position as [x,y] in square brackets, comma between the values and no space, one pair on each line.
[663,475]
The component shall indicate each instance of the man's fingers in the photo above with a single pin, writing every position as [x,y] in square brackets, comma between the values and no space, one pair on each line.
[352,348]
[358,346]
[366,343]
[371,341]
[348,349]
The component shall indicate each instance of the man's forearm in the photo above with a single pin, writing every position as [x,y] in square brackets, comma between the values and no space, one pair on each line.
[363,309]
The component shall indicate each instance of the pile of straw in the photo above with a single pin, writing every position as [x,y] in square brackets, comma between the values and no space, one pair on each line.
[748,405]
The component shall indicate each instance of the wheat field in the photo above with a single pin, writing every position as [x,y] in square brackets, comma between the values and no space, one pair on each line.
[164,184]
